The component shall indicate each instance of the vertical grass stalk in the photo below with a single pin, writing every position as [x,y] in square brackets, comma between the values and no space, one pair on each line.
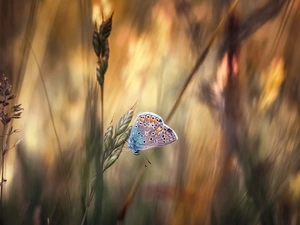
[2,165]
[110,144]
[6,117]
[101,49]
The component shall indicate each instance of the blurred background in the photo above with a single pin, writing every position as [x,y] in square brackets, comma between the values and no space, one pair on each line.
[237,118]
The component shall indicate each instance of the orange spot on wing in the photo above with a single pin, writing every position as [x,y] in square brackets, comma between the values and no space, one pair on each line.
[140,119]
[155,121]
[147,119]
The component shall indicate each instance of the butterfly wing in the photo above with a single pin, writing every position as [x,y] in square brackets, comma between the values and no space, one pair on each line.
[163,136]
[149,131]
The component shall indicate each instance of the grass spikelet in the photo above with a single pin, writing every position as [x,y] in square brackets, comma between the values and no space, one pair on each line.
[112,158]
[101,48]
[7,115]
[114,143]
[108,139]
[105,28]
[124,122]
[109,146]
[96,42]
[122,138]
[117,144]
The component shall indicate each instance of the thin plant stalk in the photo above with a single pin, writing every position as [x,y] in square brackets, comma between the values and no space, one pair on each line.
[110,153]
[98,189]
[3,163]
[101,49]
[64,173]
[99,169]
[200,60]
[102,147]
[6,119]
[89,202]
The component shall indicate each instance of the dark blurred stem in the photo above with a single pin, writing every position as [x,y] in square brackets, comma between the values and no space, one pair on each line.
[102,126]
[200,60]
[2,165]
[89,203]
[99,168]
[98,187]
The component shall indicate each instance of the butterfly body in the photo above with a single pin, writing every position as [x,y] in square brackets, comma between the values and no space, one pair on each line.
[149,131]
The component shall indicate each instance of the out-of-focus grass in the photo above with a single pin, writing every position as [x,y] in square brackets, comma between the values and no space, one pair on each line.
[190,181]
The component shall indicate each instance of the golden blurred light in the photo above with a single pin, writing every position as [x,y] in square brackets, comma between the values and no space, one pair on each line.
[99,7]
[272,79]
[96,16]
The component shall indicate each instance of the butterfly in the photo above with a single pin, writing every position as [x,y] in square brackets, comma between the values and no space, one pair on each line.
[149,131]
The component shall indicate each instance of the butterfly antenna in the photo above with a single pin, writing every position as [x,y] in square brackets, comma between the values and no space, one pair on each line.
[144,161]
[144,156]
[133,107]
